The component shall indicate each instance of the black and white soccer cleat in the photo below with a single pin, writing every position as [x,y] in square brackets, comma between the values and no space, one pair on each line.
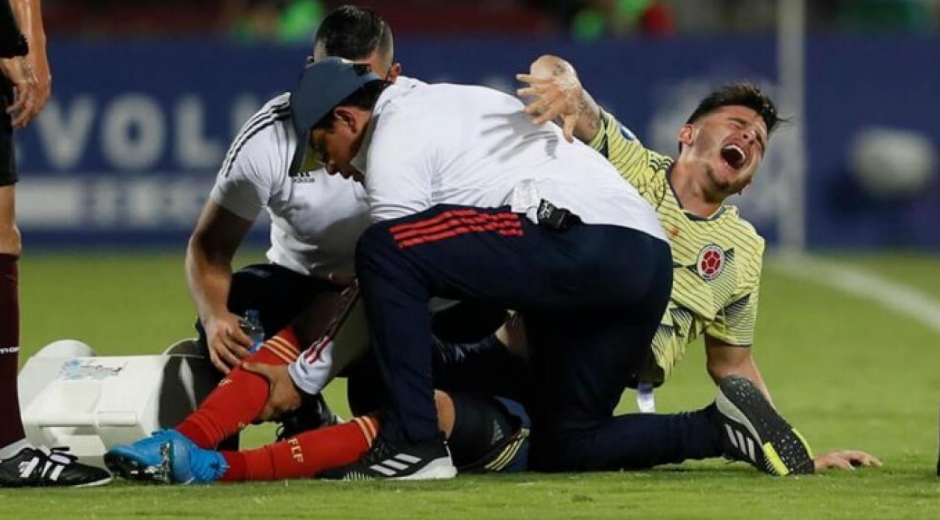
[34,467]
[754,432]
[399,461]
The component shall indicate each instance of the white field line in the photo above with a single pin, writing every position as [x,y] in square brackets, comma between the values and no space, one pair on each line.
[894,296]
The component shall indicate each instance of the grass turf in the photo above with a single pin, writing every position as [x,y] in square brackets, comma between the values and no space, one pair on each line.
[848,373]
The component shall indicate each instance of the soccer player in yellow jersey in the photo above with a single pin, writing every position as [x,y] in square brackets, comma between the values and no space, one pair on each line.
[717,255]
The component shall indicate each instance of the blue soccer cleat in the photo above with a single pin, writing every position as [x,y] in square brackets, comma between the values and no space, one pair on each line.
[166,457]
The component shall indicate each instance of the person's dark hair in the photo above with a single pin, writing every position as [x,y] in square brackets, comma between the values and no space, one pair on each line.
[364,97]
[354,33]
[744,94]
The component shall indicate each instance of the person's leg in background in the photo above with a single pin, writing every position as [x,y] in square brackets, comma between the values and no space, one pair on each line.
[12,436]
[15,451]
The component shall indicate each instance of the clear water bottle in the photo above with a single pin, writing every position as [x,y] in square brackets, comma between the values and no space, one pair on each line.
[251,325]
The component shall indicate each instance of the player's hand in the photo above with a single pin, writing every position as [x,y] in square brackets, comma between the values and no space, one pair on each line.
[26,98]
[342,279]
[512,335]
[40,64]
[228,344]
[283,396]
[556,92]
[845,459]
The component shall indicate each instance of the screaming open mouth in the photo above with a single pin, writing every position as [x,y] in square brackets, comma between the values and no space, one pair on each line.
[734,155]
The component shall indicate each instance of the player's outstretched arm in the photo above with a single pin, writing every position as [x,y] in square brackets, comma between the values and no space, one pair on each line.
[209,255]
[723,360]
[559,96]
[845,459]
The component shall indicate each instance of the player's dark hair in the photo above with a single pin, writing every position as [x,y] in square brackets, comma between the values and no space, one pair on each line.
[364,97]
[744,94]
[354,33]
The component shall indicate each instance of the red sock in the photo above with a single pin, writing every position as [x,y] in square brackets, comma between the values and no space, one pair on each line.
[11,425]
[240,397]
[305,455]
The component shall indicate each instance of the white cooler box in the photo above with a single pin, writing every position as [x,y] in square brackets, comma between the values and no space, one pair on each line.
[69,397]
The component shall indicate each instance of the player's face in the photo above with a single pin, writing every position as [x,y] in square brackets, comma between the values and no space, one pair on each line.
[335,148]
[729,144]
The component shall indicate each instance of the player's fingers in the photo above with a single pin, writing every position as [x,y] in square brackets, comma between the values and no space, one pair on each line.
[543,112]
[31,110]
[227,352]
[341,279]
[532,80]
[19,110]
[536,107]
[26,116]
[844,464]
[545,117]
[262,369]
[217,362]
[19,100]
[831,461]
[527,91]
[238,337]
[546,99]
[267,413]
[239,352]
[278,404]
[19,120]
[553,111]
[570,121]
[860,458]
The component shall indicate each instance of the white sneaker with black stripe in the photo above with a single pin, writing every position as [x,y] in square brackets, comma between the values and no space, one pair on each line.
[754,432]
[33,467]
[399,461]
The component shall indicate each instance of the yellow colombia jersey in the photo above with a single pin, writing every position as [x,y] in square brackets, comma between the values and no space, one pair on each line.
[716,261]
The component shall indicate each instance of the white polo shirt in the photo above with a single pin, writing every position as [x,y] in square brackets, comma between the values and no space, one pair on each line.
[316,218]
[474,146]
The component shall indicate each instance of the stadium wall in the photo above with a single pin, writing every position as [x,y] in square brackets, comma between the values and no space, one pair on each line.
[125,152]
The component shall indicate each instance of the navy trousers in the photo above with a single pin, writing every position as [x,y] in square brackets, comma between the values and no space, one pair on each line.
[593,296]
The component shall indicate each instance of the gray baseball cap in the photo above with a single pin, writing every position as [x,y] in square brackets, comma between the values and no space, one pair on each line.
[322,87]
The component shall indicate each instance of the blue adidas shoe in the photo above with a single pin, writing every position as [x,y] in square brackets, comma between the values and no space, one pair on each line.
[166,457]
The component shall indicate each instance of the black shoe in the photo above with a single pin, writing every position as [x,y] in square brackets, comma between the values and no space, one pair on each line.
[32,467]
[313,413]
[401,461]
[754,432]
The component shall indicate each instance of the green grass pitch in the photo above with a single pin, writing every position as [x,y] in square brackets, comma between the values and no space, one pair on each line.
[848,373]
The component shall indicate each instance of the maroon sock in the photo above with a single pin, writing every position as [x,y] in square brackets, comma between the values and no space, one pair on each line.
[11,425]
